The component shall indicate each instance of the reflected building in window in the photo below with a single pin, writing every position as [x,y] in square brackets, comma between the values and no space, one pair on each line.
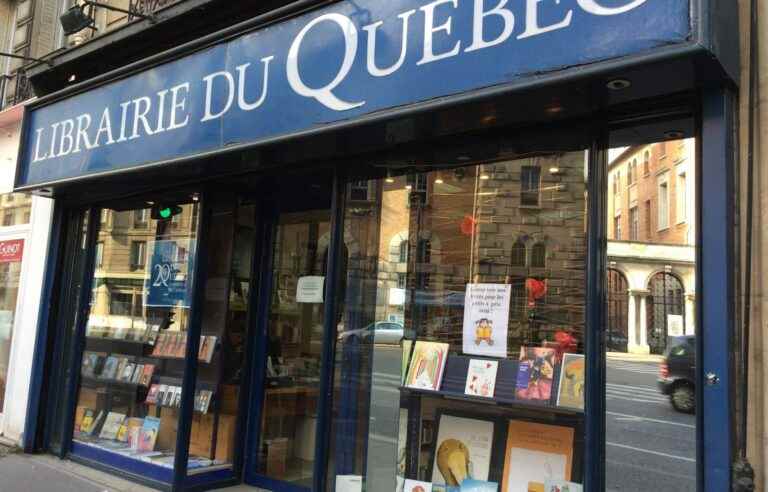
[652,264]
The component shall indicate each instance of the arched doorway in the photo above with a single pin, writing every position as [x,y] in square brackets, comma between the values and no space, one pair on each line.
[617,334]
[666,304]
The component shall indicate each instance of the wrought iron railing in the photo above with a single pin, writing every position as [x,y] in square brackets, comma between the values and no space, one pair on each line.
[148,6]
[14,89]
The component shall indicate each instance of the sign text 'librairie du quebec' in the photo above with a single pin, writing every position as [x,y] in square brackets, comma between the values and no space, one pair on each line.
[332,65]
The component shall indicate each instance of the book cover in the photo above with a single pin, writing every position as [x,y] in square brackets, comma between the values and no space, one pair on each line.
[207,348]
[146,375]
[110,368]
[148,434]
[486,319]
[176,402]
[481,377]
[427,365]
[111,425]
[98,366]
[134,433]
[89,364]
[152,393]
[170,346]
[471,485]
[541,370]
[160,342]
[561,486]
[93,429]
[88,416]
[137,373]
[462,450]
[181,346]
[121,363]
[570,391]
[416,486]
[536,453]
[127,373]
[162,390]
[168,397]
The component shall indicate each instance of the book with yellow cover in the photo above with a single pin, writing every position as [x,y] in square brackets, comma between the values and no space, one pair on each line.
[427,365]
[536,454]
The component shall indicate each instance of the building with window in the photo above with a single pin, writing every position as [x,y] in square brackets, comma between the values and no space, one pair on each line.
[27,29]
[656,262]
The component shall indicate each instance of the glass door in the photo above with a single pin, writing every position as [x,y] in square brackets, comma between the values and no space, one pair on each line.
[292,336]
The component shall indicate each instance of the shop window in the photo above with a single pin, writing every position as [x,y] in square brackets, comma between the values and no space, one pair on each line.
[663,202]
[428,384]
[539,255]
[138,254]
[518,254]
[634,224]
[10,276]
[530,177]
[133,362]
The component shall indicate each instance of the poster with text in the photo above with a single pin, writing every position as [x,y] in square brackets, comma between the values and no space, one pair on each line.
[168,279]
[486,319]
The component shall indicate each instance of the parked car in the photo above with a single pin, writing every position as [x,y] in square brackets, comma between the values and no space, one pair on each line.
[379,332]
[677,373]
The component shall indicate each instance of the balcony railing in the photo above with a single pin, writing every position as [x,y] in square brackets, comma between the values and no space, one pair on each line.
[14,89]
[148,6]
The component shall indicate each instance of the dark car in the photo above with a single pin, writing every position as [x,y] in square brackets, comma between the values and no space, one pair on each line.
[677,373]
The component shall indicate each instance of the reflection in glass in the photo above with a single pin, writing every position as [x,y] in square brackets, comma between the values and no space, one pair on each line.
[651,332]
[136,334]
[294,346]
[423,250]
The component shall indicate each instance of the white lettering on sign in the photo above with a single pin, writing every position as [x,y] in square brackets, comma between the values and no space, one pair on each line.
[325,94]
[247,88]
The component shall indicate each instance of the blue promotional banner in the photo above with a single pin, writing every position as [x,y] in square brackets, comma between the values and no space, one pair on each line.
[332,65]
[169,276]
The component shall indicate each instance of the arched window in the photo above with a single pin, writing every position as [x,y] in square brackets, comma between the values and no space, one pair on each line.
[646,163]
[666,305]
[518,254]
[403,252]
[539,255]
[618,308]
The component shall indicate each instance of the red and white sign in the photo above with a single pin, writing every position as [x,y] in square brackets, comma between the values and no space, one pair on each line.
[11,251]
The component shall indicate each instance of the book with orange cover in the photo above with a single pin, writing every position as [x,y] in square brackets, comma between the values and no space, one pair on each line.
[536,454]
[160,343]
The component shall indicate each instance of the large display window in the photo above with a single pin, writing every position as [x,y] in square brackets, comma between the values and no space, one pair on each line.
[136,336]
[461,339]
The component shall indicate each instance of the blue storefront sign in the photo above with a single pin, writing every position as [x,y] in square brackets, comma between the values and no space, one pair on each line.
[331,66]
[169,276]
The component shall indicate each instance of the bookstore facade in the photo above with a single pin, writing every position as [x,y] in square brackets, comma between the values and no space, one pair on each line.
[363,247]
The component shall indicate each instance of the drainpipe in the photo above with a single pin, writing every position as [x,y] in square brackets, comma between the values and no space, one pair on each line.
[743,479]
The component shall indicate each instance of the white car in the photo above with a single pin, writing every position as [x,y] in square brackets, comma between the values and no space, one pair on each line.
[379,332]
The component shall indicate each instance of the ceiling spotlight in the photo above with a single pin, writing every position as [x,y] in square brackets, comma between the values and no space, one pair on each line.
[618,84]
[408,187]
[389,178]
[439,181]
[484,177]
[554,170]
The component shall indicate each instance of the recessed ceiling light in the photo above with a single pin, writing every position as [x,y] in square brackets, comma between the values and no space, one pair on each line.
[554,170]
[408,187]
[439,181]
[484,177]
[674,134]
[618,84]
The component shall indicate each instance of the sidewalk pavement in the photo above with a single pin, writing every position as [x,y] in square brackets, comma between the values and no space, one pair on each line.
[21,472]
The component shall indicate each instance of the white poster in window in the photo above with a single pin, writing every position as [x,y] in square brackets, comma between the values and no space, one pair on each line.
[310,289]
[349,483]
[486,319]
[396,296]
[675,325]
